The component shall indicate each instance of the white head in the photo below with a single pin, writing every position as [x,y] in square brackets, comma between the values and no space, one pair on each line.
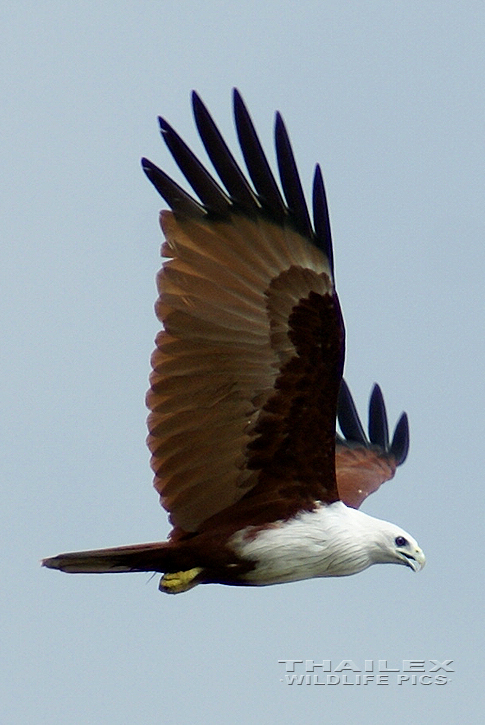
[393,545]
[367,540]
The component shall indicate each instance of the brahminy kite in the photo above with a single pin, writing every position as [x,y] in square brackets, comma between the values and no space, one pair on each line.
[247,385]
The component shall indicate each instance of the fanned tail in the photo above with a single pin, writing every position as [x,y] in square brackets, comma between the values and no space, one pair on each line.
[138,557]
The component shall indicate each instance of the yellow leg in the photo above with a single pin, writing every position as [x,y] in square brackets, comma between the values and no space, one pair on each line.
[179,581]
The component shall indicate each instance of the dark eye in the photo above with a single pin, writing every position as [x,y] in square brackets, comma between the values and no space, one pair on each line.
[400,541]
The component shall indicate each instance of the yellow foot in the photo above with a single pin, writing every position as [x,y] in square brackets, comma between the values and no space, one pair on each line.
[179,581]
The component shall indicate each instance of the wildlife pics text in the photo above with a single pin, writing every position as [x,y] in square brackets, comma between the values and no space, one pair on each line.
[406,672]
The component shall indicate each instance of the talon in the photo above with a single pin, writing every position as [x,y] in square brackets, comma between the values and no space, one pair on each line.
[179,581]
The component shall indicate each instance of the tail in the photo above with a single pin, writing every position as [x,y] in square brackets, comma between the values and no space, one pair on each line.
[139,557]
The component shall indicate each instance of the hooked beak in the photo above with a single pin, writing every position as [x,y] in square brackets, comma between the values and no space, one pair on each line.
[415,561]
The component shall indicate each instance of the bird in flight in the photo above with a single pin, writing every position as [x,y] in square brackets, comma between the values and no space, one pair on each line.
[247,385]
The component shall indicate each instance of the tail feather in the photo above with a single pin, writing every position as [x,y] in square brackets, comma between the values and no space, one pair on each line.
[138,557]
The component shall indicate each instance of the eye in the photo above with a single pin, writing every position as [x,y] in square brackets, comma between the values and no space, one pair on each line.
[401,541]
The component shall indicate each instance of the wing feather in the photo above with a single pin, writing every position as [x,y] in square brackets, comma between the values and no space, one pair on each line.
[259,170]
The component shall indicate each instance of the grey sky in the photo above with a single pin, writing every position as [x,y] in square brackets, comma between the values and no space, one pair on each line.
[389,97]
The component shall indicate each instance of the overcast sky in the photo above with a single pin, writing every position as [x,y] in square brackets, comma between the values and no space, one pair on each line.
[389,97]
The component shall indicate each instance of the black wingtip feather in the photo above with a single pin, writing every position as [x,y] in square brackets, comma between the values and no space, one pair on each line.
[290,179]
[178,199]
[348,418]
[206,188]
[222,159]
[378,426]
[321,219]
[256,162]
[400,440]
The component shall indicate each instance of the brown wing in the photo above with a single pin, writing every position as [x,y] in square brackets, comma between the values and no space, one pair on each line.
[364,463]
[247,369]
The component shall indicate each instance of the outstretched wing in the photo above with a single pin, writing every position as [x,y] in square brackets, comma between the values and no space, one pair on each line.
[247,368]
[364,462]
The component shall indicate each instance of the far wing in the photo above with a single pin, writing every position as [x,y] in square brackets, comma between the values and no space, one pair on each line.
[364,462]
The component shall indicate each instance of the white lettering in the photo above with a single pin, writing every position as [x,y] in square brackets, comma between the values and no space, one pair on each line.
[384,668]
[445,665]
[290,664]
[413,665]
[294,679]
[347,665]
[310,665]
[441,680]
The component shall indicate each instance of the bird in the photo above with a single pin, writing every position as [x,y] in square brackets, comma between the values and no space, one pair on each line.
[247,384]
